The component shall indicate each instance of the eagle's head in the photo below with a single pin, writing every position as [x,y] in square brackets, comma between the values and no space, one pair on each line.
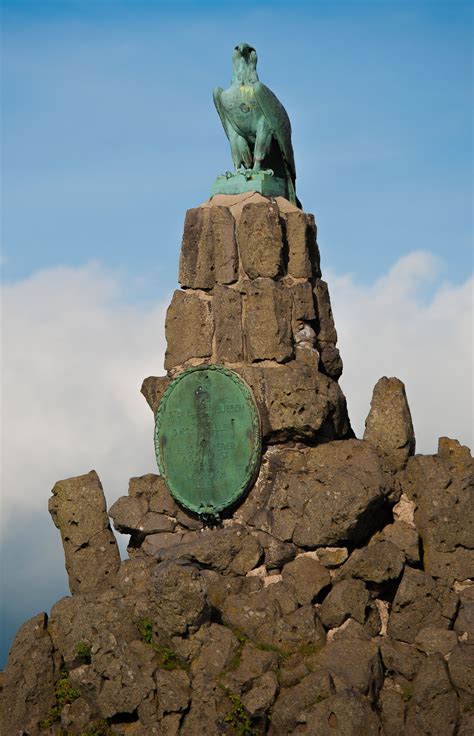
[244,62]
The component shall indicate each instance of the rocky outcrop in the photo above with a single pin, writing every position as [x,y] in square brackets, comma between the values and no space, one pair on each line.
[336,598]
[78,509]
[29,679]
[388,426]
[253,626]
[442,489]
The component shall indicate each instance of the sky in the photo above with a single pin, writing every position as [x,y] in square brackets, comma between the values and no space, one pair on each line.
[109,134]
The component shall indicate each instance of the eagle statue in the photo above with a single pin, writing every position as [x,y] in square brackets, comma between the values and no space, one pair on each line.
[256,123]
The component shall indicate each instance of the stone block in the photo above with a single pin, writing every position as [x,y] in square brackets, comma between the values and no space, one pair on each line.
[257,700]
[300,398]
[456,457]
[297,402]
[260,240]
[27,691]
[317,496]
[294,702]
[405,537]
[153,389]
[228,550]
[388,426]
[332,557]
[189,328]
[345,711]
[443,516]
[433,708]
[277,553]
[353,663]
[461,671]
[347,599]
[209,248]
[400,658]
[228,339]
[377,564]
[464,624]
[303,301]
[79,512]
[219,647]
[330,361]
[153,488]
[420,601]
[179,598]
[392,710]
[432,639]
[347,498]
[131,514]
[267,321]
[303,252]
[326,330]
[306,578]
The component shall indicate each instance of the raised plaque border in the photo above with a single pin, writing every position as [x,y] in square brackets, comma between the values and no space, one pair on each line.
[255,457]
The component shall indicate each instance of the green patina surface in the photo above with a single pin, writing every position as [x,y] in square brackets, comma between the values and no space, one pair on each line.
[208,439]
[240,182]
[259,131]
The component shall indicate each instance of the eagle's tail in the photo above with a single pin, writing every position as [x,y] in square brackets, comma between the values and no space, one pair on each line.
[292,189]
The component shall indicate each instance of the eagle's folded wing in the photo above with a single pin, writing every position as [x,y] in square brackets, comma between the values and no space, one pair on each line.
[278,121]
[226,124]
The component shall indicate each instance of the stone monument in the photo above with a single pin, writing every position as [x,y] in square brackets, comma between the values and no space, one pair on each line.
[283,577]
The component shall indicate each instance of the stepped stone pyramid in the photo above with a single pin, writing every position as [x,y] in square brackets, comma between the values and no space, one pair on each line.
[336,598]
[253,299]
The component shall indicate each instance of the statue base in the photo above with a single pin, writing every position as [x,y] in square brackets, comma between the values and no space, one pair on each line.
[260,181]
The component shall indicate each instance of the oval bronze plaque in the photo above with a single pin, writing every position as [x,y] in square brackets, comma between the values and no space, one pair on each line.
[208,439]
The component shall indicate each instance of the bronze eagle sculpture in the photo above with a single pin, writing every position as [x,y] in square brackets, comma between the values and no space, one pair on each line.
[255,122]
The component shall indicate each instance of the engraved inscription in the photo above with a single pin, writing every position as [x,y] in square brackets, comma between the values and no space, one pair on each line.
[211,426]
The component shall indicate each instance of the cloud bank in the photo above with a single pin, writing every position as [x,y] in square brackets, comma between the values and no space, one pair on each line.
[74,354]
[411,325]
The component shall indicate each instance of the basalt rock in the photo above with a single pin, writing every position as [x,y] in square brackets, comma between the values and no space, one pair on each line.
[28,683]
[253,299]
[377,565]
[306,577]
[388,426]
[420,600]
[209,249]
[347,599]
[189,327]
[298,494]
[442,488]
[79,512]
[434,707]
[260,239]
[335,598]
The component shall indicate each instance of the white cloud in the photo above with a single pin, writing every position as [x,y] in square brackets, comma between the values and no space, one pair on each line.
[409,325]
[73,358]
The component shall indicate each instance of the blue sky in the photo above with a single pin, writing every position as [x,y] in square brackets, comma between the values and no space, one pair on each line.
[109,134]
[110,130]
